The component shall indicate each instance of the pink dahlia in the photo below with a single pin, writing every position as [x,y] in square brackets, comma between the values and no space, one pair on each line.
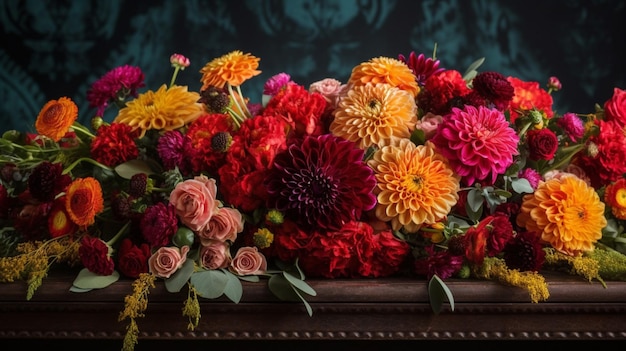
[321,183]
[421,66]
[478,142]
[114,86]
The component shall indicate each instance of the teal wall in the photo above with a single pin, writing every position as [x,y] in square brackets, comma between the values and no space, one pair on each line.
[59,48]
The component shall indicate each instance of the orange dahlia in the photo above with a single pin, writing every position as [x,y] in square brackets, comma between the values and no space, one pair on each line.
[84,201]
[233,68]
[164,109]
[373,114]
[415,185]
[56,117]
[566,212]
[385,70]
[615,198]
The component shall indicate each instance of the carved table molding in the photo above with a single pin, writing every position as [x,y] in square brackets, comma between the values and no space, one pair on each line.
[355,309]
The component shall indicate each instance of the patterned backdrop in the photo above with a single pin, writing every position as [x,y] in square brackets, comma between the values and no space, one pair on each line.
[59,48]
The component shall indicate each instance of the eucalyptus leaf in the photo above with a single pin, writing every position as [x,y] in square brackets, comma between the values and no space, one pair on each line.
[309,310]
[89,280]
[233,289]
[129,168]
[472,69]
[210,284]
[438,293]
[299,284]
[79,290]
[474,199]
[521,185]
[177,280]
[281,288]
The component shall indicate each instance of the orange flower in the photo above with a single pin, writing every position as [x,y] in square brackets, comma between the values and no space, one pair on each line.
[164,109]
[566,212]
[233,68]
[416,186]
[56,117]
[615,198]
[84,201]
[385,70]
[375,114]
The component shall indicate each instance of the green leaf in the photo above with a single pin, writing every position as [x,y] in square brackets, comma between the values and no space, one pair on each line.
[299,284]
[89,280]
[438,293]
[79,290]
[129,168]
[183,237]
[233,289]
[177,280]
[472,70]
[309,310]
[474,199]
[521,185]
[281,288]
[210,284]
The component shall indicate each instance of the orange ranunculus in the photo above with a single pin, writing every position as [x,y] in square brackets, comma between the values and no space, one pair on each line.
[56,117]
[233,68]
[84,201]
[59,223]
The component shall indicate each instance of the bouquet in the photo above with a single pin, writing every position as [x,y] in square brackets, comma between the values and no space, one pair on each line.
[406,169]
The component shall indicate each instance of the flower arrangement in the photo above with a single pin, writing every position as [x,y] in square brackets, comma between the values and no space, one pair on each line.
[408,168]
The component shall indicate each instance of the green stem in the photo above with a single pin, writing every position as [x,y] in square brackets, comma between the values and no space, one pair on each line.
[80,128]
[87,159]
[119,234]
[236,102]
[176,70]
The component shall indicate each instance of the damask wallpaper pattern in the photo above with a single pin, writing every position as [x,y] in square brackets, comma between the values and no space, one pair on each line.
[59,48]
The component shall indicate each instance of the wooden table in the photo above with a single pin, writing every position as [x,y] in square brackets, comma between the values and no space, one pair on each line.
[358,309]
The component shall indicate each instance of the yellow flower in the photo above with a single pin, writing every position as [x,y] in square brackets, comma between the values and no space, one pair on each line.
[164,109]
[385,70]
[566,212]
[56,117]
[615,198]
[233,68]
[375,114]
[415,185]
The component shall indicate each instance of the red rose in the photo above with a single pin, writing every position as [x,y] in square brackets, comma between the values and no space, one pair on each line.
[615,107]
[501,234]
[542,144]
[133,259]
[94,254]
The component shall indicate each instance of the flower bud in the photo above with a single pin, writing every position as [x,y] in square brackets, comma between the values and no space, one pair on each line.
[554,84]
[179,61]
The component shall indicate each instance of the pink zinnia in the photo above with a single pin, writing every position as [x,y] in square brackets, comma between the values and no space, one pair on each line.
[275,83]
[572,125]
[478,142]
[116,84]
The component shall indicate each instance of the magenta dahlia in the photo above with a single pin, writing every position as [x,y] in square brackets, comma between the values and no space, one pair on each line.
[421,66]
[322,182]
[478,142]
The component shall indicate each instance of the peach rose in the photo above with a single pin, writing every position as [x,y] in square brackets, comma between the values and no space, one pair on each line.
[195,201]
[224,225]
[329,88]
[615,107]
[248,261]
[167,260]
[215,254]
[429,124]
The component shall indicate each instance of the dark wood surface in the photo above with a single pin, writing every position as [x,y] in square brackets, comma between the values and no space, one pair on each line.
[356,310]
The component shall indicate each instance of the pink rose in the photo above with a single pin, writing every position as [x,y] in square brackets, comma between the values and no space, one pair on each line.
[615,107]
[167,260]
[329,88]
[248,261]
[195,201]
[428,124]
[223,225]
[215,254]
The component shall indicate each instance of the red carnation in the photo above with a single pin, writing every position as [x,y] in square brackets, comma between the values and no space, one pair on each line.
[95,255]
[114,144]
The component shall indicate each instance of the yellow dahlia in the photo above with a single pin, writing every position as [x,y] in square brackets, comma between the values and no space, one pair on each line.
[233,68]
[566,212]
[164,109]
[373,114]
[385,70]
[415,185]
